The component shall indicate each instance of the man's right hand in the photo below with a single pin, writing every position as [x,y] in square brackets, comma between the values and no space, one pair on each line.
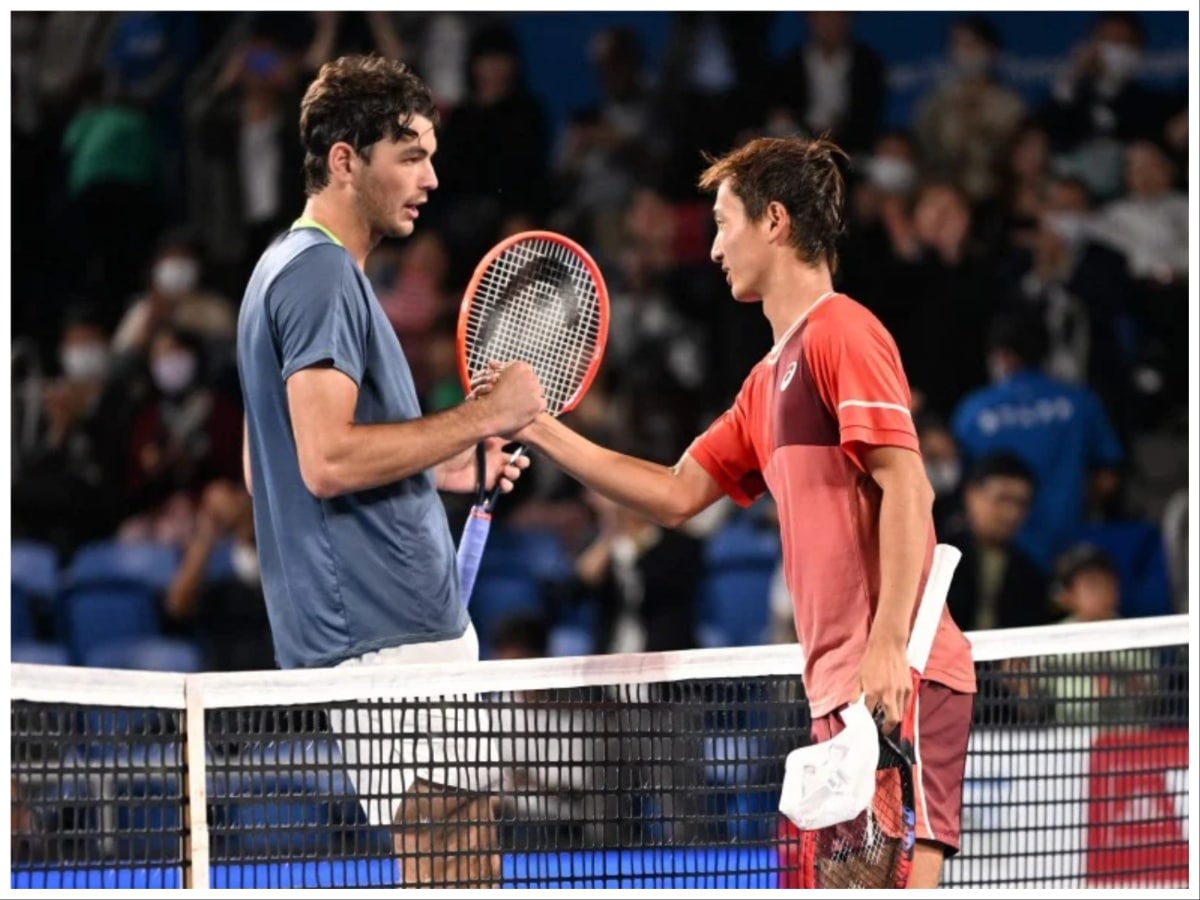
[512,395]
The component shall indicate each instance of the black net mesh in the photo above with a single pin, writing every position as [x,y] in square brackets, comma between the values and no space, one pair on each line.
[1076,776]
[97,796]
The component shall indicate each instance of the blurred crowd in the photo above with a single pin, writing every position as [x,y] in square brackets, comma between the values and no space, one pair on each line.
[1031,261]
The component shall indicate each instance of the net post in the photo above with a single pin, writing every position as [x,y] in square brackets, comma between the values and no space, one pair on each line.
[195,794]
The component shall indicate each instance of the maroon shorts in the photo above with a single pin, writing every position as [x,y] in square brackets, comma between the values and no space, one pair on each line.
[942,728]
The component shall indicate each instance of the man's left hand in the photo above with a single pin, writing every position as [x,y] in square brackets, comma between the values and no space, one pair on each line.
[458,474]
[885,679]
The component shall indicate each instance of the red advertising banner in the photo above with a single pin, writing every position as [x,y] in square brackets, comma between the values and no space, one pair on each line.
[1137,808]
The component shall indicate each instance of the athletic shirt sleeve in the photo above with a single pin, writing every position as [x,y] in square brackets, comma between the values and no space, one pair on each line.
[726,450]
[856,368]
[320,314]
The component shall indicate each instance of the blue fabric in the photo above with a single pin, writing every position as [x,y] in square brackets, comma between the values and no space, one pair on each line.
[34,568]
[1140,555]
[362,571]
[1061,432]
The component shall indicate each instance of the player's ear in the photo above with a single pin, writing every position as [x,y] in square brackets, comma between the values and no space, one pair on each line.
[341,161]
[779,223]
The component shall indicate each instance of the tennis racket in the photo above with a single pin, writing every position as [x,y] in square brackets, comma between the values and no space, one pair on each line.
[536,297]
[875,849]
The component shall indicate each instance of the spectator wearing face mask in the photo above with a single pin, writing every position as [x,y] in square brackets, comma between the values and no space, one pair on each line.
[227,613]
[67,468]
[880,238]
[175,296]
[1099,95]
[943,467]
[1083,292]
[186,436]
[965,125]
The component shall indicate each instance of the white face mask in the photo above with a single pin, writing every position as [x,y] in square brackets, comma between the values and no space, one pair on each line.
[943,475]
[891,174]
[1070,226]
[1120,62]
[85,362]
[174,372]
[176,275]
[244,559]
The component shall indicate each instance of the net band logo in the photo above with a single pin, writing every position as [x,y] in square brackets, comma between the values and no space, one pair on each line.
[1137,808]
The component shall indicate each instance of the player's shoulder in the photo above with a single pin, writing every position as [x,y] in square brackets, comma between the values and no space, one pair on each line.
[843,320]
[842,311]
[299,264]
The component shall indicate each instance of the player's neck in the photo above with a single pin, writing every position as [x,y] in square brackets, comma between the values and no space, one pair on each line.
[344,224]
[793,291]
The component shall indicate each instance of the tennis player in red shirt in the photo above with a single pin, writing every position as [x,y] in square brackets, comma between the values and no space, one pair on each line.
[823,421]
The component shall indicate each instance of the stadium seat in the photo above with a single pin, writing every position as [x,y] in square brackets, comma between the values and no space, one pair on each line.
[499,595]
[543,553]
[1140,555]
[21,613]
[151,565]
[740,560]
[40,653]
[220,562]
[34,581]
[112,593]
[34,568]
[149,654]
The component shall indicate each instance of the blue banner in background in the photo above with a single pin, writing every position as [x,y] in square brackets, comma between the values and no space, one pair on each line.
[1036,46]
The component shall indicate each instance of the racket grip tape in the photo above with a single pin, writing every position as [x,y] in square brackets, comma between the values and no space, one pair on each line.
[470,551]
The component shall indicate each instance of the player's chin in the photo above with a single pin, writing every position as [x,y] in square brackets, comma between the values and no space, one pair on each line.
[402,228]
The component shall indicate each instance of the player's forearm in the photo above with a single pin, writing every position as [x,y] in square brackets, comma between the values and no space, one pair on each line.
[184,593]
[904,523]
[648,488]
[361,457]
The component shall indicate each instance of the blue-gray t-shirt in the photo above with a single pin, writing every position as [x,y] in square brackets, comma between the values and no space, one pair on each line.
[361,571]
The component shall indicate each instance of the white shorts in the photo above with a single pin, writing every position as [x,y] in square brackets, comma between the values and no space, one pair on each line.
[386,747]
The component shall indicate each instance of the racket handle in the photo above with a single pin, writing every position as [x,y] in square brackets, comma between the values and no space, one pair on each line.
[470,551]
[522,449]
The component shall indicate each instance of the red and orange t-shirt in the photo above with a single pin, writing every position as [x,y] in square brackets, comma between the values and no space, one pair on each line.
[832,386]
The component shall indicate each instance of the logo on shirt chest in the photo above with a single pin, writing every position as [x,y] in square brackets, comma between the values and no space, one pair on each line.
[787,377]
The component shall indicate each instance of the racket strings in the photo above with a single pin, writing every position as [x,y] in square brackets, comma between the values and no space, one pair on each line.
[537,302]
[873,850]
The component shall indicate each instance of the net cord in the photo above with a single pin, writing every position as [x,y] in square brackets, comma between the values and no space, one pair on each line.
[107,687]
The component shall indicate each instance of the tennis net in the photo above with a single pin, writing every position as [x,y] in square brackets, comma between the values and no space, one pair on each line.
[649,770]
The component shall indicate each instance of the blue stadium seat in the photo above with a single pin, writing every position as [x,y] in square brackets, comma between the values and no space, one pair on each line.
[34,581]
[21,612]
[112,593]
[499,595]
[97,615]
[148,564]
[40,653]
[283,799]
[220,562]
[543,553]
[569,640]
[149,654]
[148,807]
[34,568]
[1140,555]
[740,560]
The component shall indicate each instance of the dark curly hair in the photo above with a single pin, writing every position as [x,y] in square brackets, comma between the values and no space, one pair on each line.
[804,175]
[358,100]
